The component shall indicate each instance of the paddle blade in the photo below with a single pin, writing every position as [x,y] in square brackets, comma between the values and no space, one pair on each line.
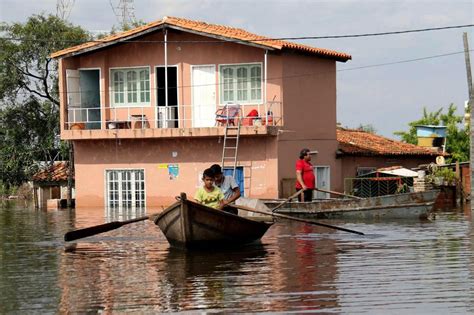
[93,230]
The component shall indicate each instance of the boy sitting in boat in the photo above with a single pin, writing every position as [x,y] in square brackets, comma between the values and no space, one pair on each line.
[209,195]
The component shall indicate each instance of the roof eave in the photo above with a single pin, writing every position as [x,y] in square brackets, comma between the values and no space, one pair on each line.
[343,153]
[155,28]
[224,38]
[108,43]
[319,54]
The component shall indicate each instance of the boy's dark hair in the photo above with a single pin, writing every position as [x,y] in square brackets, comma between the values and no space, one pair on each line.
[216,168]
[208,172]
[303,153]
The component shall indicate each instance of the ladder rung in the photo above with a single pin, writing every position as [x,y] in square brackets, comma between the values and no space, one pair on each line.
[232,133]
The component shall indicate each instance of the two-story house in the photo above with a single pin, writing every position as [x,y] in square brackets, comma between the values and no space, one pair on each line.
[139,107]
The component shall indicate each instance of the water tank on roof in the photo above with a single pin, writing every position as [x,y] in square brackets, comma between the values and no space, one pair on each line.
[431,136]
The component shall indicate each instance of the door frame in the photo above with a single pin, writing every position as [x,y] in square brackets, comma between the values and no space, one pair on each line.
[328,167]
[178,91]
[106,188]
[101,89]
[192,88]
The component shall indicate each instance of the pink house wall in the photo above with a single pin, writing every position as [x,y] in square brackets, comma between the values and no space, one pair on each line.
[93,158]
[309,105]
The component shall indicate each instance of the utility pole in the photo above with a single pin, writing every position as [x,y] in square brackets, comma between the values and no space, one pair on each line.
[125,13]
[470,103]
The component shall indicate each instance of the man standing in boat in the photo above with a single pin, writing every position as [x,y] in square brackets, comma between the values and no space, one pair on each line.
[305,178]
[227,184]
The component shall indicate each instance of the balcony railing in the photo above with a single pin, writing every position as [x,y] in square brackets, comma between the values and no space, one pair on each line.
[179,116]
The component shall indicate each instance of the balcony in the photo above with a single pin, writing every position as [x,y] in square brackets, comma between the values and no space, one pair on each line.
[167,121]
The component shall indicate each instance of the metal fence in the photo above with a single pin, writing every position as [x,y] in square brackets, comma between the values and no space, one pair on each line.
[377,186]
[175,116]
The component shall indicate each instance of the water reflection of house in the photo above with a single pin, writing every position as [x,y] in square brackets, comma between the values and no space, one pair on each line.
[50,186]
[362,152]
[307,270]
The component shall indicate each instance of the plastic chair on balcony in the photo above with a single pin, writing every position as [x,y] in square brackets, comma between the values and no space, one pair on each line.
[228,114]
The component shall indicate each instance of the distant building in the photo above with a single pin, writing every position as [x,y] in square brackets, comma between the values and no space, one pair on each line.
[361,153]
[50,183]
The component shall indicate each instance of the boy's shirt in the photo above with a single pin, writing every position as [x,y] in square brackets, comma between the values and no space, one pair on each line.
[211,199]
[227,186]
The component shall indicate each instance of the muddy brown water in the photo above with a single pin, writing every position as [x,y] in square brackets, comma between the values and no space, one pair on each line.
[410,267]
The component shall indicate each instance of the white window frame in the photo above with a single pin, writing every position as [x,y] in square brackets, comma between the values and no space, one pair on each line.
[133,191]
[138,103]
[235,83]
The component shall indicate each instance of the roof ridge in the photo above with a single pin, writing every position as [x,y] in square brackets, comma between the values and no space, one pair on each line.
[362,142]
[211,29]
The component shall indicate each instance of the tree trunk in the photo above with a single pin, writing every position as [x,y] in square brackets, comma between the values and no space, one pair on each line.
[70,174]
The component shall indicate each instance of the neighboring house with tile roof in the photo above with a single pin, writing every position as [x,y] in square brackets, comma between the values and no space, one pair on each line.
[139,107]
[362,152]
[50,182]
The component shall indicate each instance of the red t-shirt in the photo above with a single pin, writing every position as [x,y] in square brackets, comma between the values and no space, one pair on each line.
[307,173]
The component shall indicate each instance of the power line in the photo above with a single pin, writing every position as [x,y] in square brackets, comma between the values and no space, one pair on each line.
[402,61]
[250,40]
[385,33]
[298,75]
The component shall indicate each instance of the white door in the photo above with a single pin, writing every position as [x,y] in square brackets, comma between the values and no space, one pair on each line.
[73,95]
[323,176]
[204,96]
[125,193]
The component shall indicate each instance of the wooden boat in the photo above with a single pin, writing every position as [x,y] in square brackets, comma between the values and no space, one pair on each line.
[188,224]
[401,206]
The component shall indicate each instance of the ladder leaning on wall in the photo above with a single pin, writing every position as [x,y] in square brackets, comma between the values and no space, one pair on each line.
[231,144]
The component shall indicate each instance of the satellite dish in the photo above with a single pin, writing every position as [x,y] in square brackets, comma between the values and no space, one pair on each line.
[440,160]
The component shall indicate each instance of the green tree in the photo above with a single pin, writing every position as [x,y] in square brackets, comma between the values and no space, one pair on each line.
[457,137]
[29,96]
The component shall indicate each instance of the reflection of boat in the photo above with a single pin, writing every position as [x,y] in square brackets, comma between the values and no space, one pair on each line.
[400,206]
[189,224]
[206,262]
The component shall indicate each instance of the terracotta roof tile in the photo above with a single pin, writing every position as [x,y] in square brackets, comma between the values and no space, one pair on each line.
[55,173]
[357,142]
[206,29]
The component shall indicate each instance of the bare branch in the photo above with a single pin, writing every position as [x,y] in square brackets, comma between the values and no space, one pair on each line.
[45,83]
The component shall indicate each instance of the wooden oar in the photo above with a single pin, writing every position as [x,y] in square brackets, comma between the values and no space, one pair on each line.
[299,192]
[337,193]
[296,219]
[93,230]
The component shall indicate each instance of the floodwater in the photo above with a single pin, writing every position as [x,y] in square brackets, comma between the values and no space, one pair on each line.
[409,267]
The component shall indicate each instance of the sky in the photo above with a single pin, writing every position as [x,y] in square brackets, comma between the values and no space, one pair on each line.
[369,92]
